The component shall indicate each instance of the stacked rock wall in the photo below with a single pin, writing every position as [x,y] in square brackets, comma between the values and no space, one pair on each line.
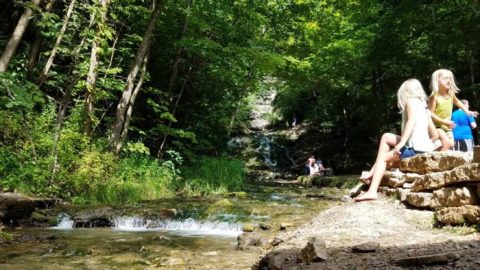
[445,182]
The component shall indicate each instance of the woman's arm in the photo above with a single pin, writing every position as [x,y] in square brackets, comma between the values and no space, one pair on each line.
[408,129]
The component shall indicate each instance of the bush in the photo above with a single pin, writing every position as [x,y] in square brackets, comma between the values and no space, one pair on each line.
[212,176]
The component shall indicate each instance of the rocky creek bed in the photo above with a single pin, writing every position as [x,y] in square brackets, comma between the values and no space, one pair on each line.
[381,234]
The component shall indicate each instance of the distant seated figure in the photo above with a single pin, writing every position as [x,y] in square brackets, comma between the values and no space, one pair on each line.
[318,168]
[309,165]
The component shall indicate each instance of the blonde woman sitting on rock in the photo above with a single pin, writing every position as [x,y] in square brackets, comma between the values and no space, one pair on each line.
[415,139]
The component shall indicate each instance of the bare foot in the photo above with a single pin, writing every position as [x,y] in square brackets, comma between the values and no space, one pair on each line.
[366,197]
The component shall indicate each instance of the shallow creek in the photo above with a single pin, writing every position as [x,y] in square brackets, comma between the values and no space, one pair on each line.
[202,235]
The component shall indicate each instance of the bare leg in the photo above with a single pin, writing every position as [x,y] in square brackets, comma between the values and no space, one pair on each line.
[446,141]
[380,167]
[387,142]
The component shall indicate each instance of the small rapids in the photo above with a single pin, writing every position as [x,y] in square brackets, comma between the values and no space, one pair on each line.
[188,226]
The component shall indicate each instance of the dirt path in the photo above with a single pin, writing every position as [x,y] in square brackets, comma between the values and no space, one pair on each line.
[395,232]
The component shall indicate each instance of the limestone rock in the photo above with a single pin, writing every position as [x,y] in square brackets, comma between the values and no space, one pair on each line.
[411,177]
[434,162]
[314,251]
[454,197]
[419,199]
[459,215]
[430,181]
[466,173]
[407,185]
[388,191]
[463,174]
[402,194]
[395,182]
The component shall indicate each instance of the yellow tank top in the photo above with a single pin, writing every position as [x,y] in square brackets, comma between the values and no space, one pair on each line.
[443,109]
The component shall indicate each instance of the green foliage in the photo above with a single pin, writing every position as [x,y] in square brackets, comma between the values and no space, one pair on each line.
[101,178]
[5,236]
[212,176]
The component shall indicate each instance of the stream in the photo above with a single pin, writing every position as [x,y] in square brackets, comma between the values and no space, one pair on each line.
[202,234]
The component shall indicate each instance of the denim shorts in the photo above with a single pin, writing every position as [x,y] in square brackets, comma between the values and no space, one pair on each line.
[407,152]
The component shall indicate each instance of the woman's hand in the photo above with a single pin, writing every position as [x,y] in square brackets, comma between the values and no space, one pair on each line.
[397,149]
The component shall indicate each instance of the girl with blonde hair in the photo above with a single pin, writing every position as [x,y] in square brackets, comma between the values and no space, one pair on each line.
[415,137]
[440,103]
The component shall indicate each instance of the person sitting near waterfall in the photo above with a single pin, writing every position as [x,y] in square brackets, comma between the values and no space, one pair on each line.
[309,165]
[318,168]
[415,138]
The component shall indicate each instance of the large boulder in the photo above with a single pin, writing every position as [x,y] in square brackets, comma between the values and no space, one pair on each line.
[14,207]
[16,210]
[101,217]
[434,162]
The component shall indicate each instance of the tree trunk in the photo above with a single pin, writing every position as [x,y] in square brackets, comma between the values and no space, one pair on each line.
[16,37]
[37,44]
[128,117]
[121,114]
[46,68]
[93,72]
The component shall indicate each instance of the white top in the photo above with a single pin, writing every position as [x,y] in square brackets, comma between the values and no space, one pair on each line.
[419,140]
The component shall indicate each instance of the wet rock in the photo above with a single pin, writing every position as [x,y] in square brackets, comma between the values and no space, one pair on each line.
[161,238]
[368,247]
[14,207]
[93,218]
[314,251]
[248,227]
[246,240]
[434,162]
[442,258]
[265,226]
[168,213]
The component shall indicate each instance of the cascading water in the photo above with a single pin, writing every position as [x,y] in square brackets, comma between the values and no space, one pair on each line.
[262,146]
[187,226]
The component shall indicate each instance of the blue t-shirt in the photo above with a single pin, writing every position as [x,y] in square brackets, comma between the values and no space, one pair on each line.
[462,129]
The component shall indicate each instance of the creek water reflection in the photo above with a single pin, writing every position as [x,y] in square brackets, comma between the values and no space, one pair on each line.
[203,235]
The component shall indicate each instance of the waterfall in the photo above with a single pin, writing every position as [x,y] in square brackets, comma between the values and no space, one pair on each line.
[188,226]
